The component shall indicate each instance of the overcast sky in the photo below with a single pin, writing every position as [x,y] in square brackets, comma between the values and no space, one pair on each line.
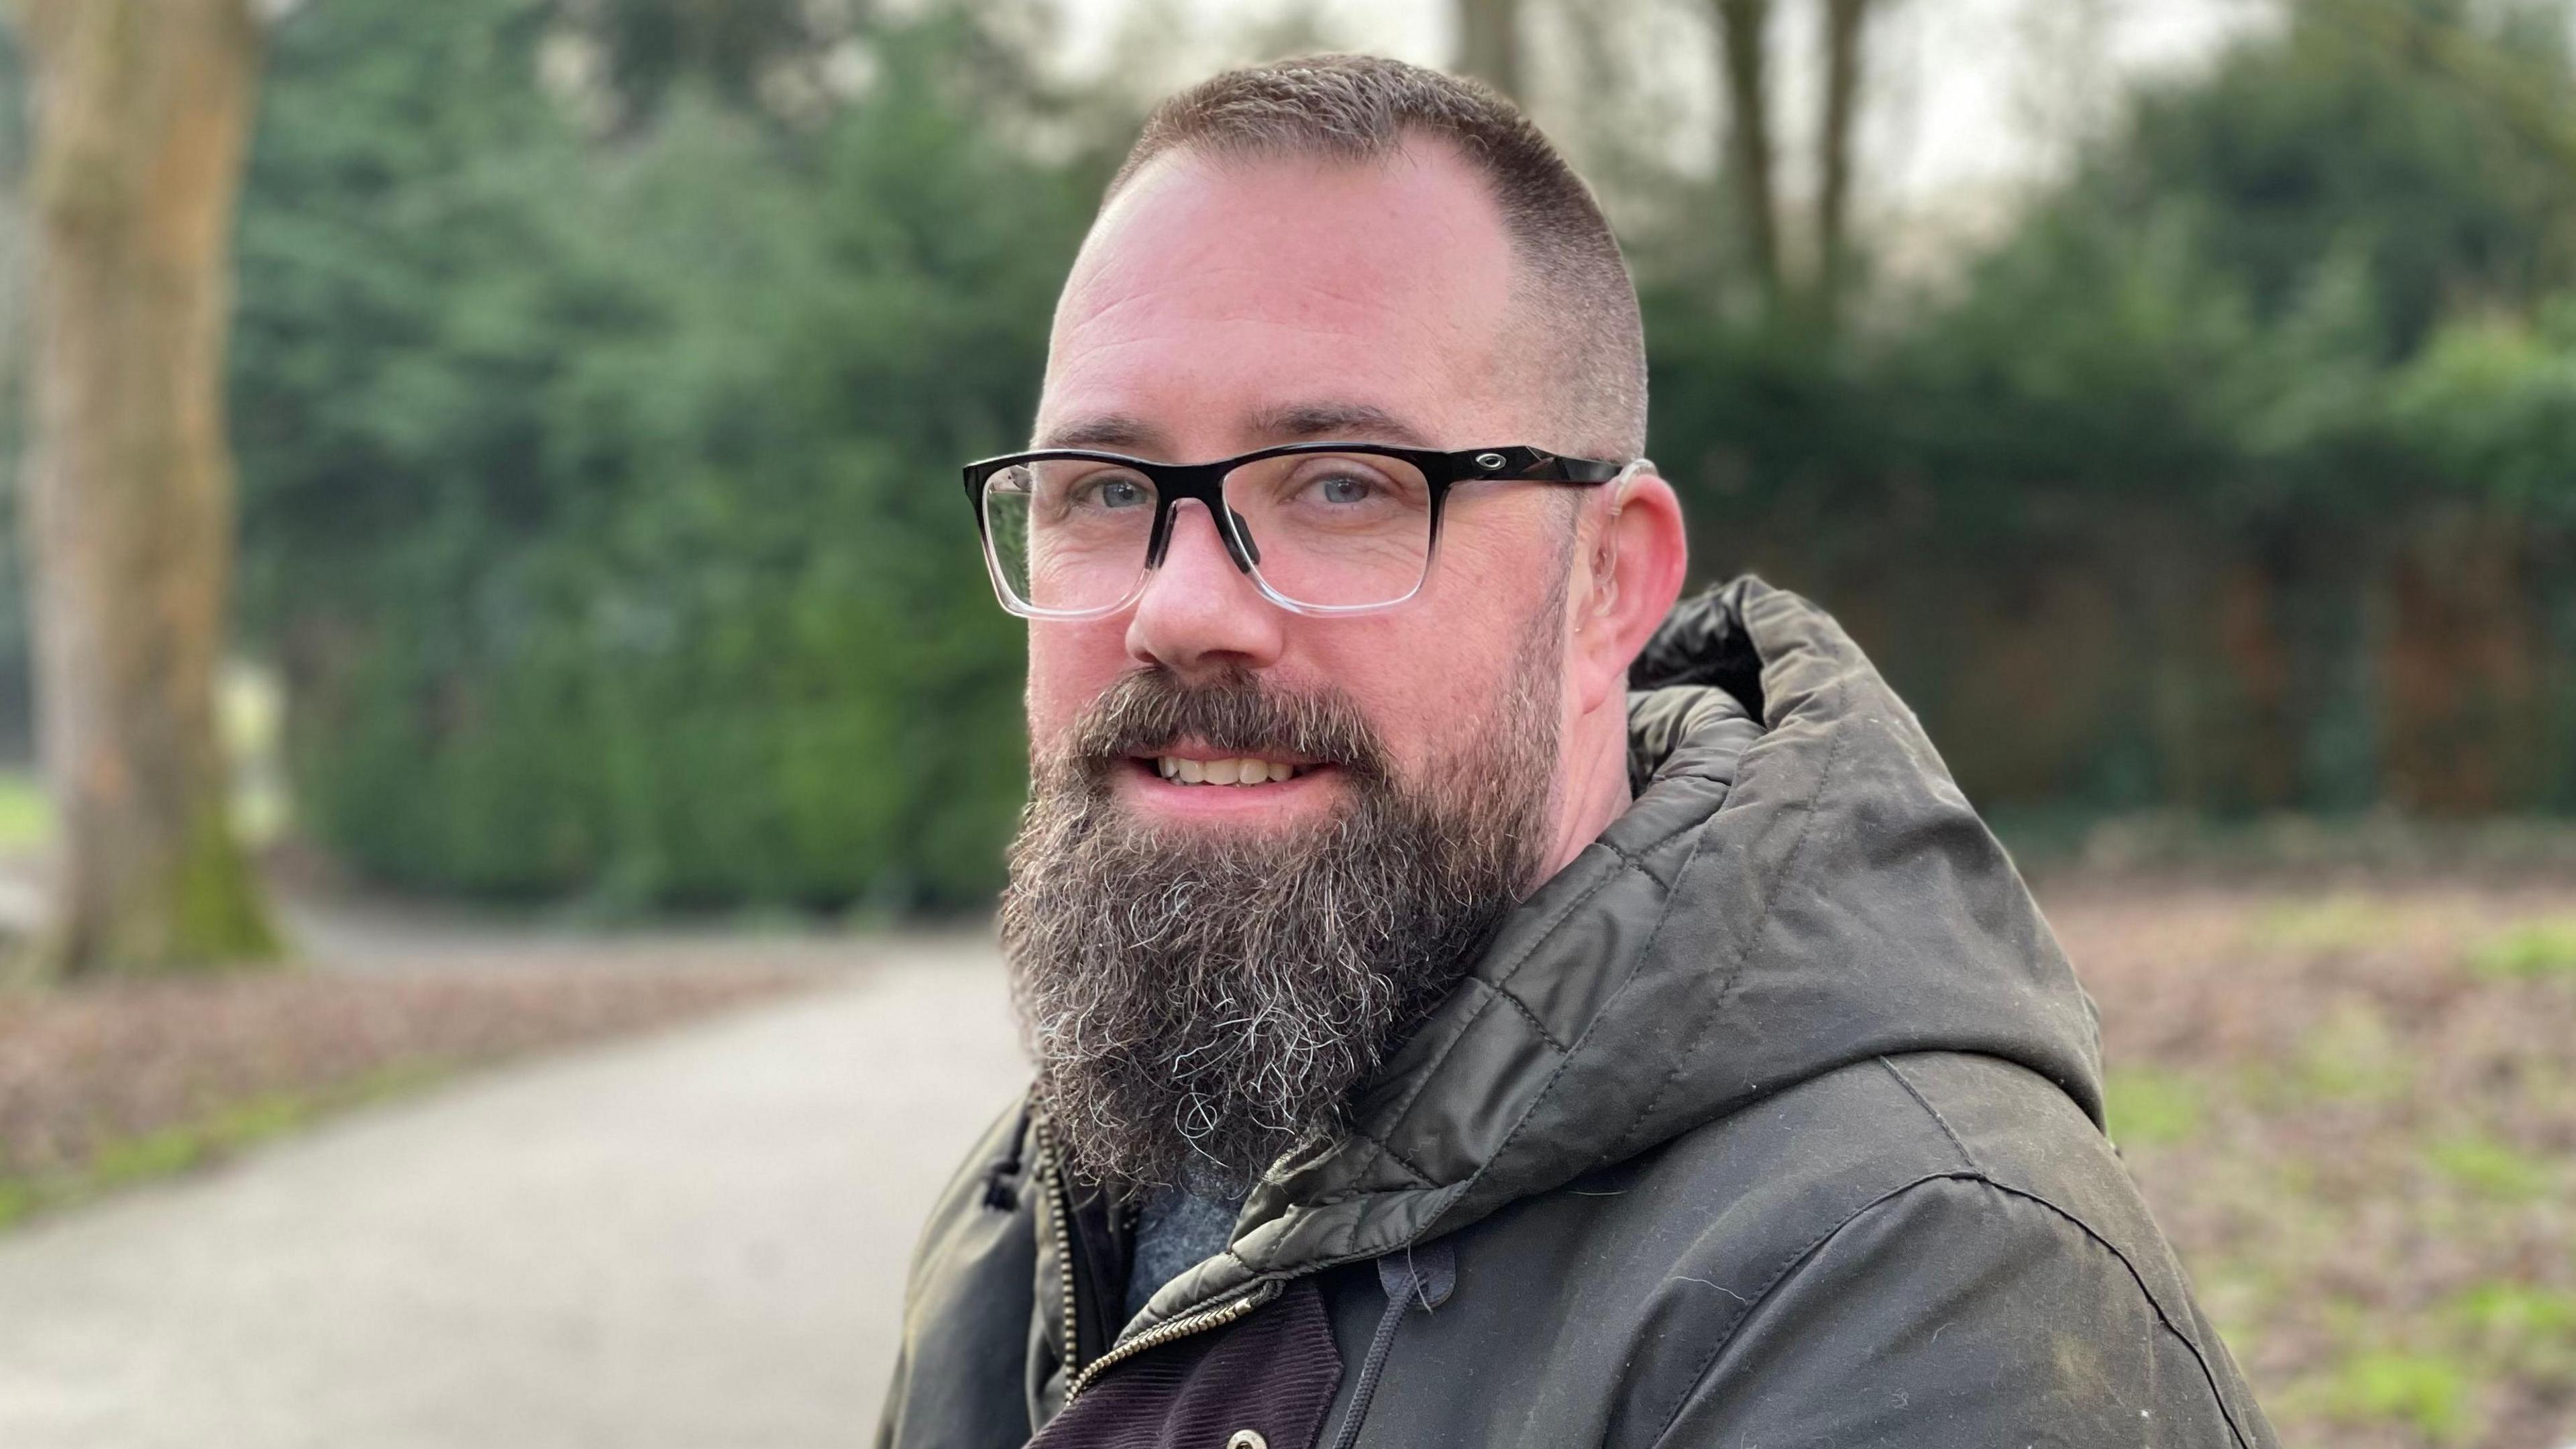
[1971,99]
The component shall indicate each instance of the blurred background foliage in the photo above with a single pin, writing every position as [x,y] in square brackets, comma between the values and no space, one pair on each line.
[602,367]
[2238,475]
[596,457]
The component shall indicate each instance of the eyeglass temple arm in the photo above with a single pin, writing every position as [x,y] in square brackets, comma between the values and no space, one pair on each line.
[1530,465]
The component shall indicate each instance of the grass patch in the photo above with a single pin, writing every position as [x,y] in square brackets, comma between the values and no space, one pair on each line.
[2490,1168]
[2536,950]
[2520,1333]
[26,812]
[2354,1056]
[2518,1311]
[216,1137]
[154,1154]
[2337,923]
[2151,1107]
[261,1118]
[2428,1391]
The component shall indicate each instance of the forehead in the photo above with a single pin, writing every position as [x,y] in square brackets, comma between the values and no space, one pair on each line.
[1215,292]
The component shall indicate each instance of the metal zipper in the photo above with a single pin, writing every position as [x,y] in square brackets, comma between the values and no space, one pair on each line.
[1182,1327]
[1060,1223]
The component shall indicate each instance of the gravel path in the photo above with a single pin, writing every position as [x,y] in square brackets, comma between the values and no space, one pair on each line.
[693,1240]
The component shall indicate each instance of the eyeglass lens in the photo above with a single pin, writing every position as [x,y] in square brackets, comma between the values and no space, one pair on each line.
[1331,530]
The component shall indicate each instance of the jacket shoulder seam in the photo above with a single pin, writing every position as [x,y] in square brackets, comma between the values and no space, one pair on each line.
[2209,1376]
[1788,1264]
[1967,1159]
[1794,1261]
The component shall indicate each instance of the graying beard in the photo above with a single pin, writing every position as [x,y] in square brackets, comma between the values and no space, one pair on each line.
[1195,1011]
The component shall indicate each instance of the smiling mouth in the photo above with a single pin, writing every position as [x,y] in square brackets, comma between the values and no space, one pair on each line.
[1237,770]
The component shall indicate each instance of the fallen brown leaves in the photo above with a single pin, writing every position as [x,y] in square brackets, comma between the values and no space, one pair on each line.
[2354,1111]
[87,1074]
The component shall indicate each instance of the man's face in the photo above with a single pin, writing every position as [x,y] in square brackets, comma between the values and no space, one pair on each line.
[1205,966]
[1220,307]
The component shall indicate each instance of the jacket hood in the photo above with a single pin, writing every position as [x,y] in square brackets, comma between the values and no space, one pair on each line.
[1798,886]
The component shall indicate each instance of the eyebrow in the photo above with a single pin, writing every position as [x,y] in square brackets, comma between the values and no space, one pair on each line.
[1299,422]
[1121,431]
[1284,423]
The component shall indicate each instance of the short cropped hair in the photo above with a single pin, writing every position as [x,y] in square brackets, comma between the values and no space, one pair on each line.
[1362,108]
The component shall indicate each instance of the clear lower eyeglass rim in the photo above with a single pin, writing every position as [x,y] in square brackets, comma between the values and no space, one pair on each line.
[1012,602]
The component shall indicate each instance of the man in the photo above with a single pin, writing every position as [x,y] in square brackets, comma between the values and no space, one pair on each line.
[1474,1000]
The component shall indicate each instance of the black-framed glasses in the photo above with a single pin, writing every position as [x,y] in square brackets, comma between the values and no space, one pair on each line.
[1319,528]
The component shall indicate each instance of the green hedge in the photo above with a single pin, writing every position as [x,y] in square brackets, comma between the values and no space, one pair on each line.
[601,496]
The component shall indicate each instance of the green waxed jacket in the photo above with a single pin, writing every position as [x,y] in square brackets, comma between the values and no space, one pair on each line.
[1772,1120]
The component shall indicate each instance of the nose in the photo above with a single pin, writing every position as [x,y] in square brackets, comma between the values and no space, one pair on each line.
[1200,616]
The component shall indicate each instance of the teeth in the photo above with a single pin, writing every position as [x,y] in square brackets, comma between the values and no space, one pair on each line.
[1238,771]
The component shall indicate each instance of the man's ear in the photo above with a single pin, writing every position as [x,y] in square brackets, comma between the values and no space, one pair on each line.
[1632,555]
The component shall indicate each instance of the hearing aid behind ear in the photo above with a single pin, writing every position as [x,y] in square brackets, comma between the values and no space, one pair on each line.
[1605,556]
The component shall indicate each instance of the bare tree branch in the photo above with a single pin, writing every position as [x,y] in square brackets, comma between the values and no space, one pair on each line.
[1743,29]
[1844,22]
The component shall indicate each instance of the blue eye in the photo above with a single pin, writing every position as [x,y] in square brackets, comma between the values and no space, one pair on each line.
[1122,493]
[1344,489]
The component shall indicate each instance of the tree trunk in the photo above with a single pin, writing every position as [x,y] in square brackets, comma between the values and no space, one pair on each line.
[1742,28]
[1844,21]
[1489,43]
[142,109]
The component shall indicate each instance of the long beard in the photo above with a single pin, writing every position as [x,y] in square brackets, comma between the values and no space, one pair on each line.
[1196,1005]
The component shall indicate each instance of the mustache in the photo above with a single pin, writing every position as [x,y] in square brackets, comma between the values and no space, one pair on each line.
[1151,710]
